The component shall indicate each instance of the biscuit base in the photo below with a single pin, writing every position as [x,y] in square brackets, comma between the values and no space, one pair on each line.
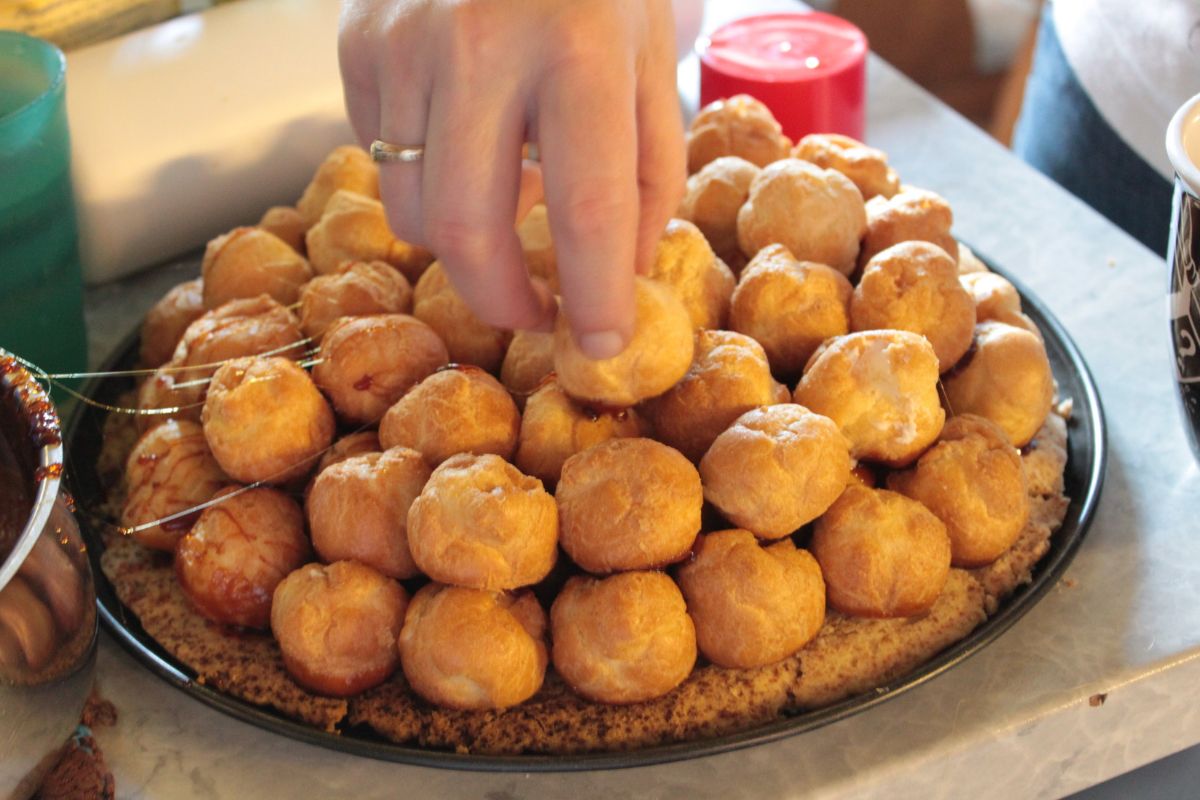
[849,656]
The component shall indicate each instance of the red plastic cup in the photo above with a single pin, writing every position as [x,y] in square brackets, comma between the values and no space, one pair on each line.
[809,68]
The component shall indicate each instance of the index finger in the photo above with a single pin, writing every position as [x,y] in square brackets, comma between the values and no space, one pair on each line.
[587,135]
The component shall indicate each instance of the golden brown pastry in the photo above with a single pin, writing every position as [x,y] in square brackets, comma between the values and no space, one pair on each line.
[865,166]
[337,626]
[238,328]
[752,605]
[352,444]
[789,307]
[246,327]
[1005,377]
[775,469]
[354,228]
[881,388]
[712,200]
[554,428]
[816,213]
[881,553]
[166,321]
[738,126]
[658,355]
[358,509]
[356,289]
[247,262]
[996,299]
[684,261]
[973,482]
[441,307]
[265,420]
[473,649]
[481,523]
[994,296]
[911,215]
[346,168]
[628,504]
[238,551]
[538,247]
[159,400]
[968,261]
[624,638]
[527,363]
[729,376]
[913,286]
[458,409]
[286,223]
[367,363]
[170,470]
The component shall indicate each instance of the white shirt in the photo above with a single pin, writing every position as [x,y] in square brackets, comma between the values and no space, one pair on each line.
[1138,61]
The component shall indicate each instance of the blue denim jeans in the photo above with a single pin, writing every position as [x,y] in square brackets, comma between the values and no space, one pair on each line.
[1061,133]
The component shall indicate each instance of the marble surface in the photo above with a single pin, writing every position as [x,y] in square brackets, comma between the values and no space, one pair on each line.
[1096,680]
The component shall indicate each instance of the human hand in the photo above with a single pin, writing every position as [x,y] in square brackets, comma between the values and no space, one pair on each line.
[592,82]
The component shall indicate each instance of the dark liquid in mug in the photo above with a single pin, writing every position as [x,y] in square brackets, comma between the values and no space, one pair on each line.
[16,497]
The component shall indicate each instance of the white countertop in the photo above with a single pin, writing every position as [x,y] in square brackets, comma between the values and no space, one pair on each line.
[1013,720]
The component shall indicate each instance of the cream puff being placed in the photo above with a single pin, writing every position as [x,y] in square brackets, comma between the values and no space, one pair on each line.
[358,509]
[973,482]
[752,605]
[481,523]
[458,409]
[882,554]
[628,504]
[775,469]
[656,358]
[472,649]
[238,551]
[368,363]
[337,626]
[881,388]
[622,639]
[265,420]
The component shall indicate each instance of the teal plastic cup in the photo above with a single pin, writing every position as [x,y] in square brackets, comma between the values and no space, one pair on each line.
[41,285]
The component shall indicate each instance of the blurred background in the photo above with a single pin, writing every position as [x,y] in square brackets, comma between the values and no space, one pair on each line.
[972,54]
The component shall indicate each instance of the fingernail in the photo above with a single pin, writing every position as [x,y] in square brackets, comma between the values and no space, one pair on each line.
[601,344]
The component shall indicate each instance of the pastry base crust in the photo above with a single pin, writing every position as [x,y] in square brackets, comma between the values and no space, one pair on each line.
[848,657]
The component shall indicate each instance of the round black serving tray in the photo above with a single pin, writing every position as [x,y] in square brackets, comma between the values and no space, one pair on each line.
[1084,478]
